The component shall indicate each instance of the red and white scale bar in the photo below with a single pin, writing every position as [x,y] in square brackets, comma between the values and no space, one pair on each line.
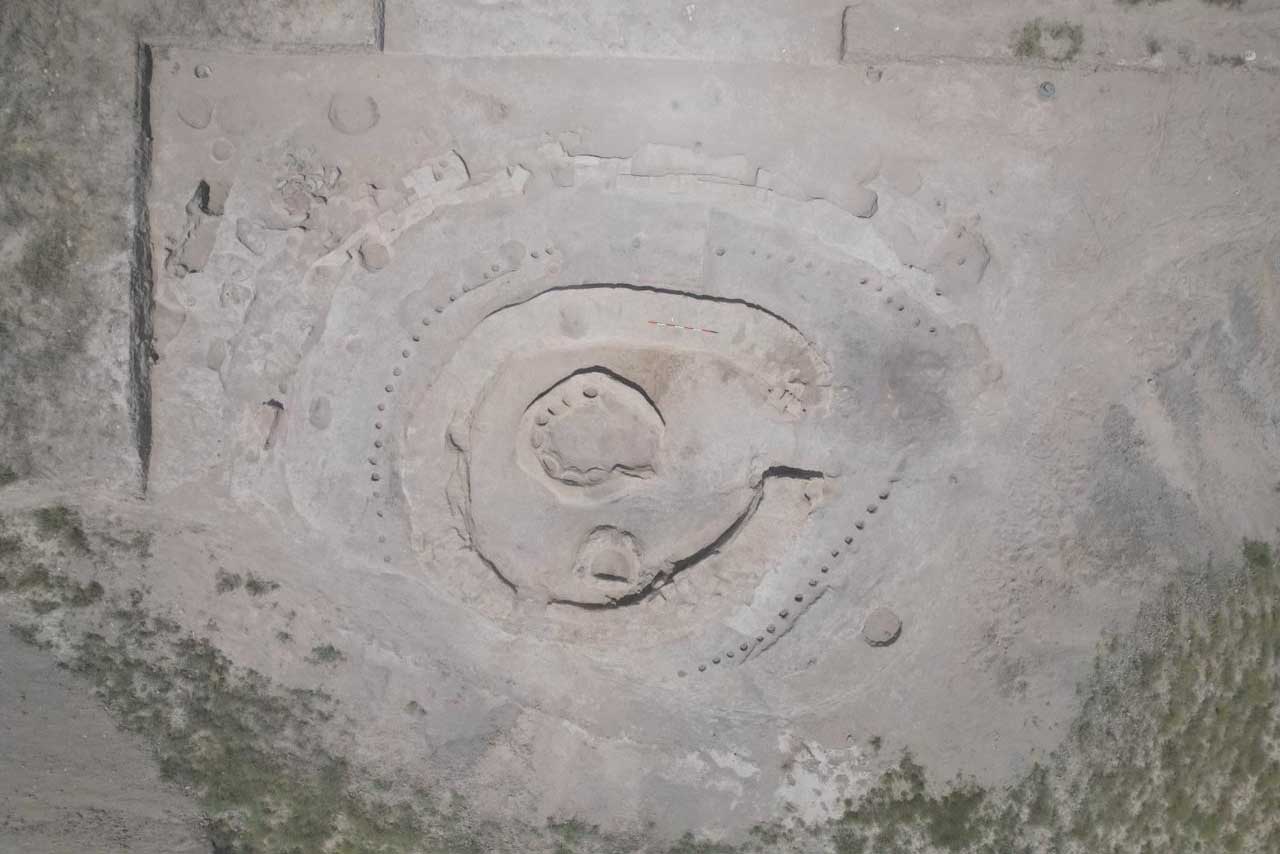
[681,326]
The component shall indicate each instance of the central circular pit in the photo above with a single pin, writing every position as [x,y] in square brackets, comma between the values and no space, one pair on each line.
[592,430]
[596,454]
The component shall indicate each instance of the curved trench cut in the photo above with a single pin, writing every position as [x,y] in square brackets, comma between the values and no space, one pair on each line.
[618,569]
[596,463]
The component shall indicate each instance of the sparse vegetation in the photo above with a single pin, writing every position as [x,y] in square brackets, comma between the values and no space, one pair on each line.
[46,591]
[1065,40]
[226,582]
[568,833]
[1176,747]
[7,474]
[28,634]
[1175,750]
[899,815]
[1233,60]
[46,259]
[251,753]
[62,522]
[1070,34]
[48,305]
[690,844]
[1257,556]
[260,586]
[9,546]
[325,653]
[43,606]
[1226,4]
[254,585]
[1026,42]
[78,595]
[1153,45]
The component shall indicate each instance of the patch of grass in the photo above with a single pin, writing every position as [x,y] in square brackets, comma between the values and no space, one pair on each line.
[1041,808]
[690,844]
[325,653]
[1026,42]
[138,542]
[284,637]
[7,474]
[135,625]
[81,595]
[1189,770]
[36,577]
[251,755]
[163,625]
[49,591]
[260,586]
[770,835]
[45,192]
[1066,39]
[60,521]
[568,833]
[28,634]
[1176,747]
[1072,35]
[1231,60]
[1258,555]
[51,521]
[226,582]
[46,260]
[899,814]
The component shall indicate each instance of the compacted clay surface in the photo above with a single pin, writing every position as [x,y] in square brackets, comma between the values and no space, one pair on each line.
[647,397]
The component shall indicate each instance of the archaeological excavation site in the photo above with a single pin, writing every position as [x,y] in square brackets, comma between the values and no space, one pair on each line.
[549,427]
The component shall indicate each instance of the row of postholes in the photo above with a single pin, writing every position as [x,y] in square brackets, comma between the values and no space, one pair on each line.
[880,628]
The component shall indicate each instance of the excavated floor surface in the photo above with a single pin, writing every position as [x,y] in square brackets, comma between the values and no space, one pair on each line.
[666,409]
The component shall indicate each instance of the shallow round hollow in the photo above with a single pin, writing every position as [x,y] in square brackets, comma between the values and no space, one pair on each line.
[882,627]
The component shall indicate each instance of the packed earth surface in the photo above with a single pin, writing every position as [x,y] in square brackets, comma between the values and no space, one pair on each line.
[589,428]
